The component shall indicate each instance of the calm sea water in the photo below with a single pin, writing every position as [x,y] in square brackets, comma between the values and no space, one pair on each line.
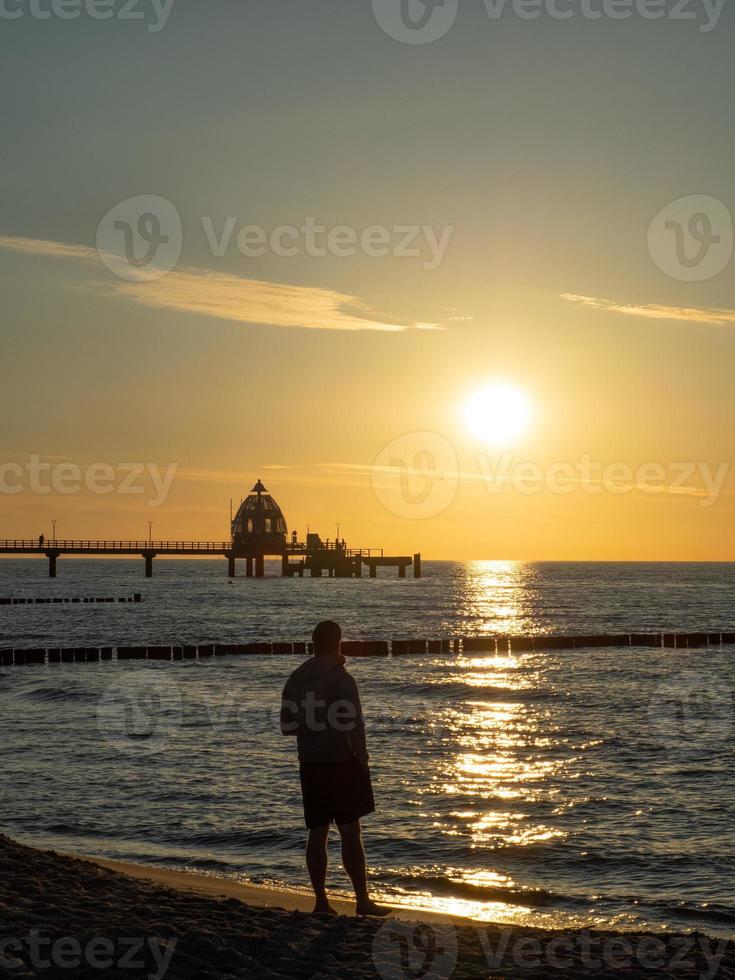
[567,787]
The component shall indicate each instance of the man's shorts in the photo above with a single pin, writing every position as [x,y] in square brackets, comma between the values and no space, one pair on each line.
[335,791]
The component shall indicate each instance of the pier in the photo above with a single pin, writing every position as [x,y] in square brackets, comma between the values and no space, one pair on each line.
[258,531]
[148,550]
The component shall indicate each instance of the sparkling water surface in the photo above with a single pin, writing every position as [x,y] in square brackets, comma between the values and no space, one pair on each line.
[563,787]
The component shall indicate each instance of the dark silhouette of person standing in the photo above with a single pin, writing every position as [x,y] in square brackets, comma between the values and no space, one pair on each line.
[41,539]
[321,707]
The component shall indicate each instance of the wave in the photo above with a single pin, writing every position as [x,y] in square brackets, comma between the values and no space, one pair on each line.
[208,864]
[542,898]
[63,829]
[713,912]
[456,888]
[45,695]
[238,839]
[458,690]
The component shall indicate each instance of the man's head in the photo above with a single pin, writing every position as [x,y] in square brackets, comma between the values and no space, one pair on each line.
[327,637]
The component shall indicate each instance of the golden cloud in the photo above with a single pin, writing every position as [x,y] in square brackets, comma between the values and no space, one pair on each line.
[230,297]
[655,311]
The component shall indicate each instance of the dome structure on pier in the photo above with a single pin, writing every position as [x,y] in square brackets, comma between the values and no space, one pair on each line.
[259,527]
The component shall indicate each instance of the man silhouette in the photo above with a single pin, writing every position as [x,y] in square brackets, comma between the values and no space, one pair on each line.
[321,707]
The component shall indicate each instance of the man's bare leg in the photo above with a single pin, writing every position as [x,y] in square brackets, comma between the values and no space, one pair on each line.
[316,863]
[353,858]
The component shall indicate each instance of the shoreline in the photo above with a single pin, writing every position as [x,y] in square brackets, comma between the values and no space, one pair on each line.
[260,896]
[188,926]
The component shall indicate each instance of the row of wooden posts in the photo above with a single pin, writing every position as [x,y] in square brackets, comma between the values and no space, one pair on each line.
[498,644]
[58,600]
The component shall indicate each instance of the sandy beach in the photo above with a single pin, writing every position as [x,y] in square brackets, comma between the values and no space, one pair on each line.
[62,916]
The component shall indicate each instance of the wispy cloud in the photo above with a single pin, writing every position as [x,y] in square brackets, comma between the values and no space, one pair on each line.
[229,297]
[54,250]
[654,311]
[369,475]
[371,471]
[252,301]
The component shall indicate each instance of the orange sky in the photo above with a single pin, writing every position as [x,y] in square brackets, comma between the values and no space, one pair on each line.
[547,205]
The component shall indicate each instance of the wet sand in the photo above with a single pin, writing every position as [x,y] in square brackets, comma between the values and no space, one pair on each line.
[261,896]
[62,916]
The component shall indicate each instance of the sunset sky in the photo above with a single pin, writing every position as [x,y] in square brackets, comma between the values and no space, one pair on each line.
[542,150]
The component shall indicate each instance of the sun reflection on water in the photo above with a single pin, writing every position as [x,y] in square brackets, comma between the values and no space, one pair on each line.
[510,913]
[507,760]
[498,596]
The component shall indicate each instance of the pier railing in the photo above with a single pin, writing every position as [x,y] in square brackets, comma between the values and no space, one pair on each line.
[68,544]
[72,544]
[330,548]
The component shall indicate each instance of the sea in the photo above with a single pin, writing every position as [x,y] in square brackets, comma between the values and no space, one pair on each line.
[566,788]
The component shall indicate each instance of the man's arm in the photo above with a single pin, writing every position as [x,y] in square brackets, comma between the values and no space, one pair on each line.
[290,721]
[356,734]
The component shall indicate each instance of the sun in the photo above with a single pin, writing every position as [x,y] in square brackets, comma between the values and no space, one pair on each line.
[497,414]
